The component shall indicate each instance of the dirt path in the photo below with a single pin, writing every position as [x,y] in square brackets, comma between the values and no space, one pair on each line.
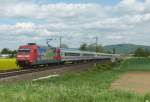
[133,81]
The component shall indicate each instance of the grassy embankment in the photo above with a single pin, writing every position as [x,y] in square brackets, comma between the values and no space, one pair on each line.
[7,64]
[90,86]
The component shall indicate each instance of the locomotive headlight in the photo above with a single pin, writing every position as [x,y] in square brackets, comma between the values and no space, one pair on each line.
[27,56]
[19,55]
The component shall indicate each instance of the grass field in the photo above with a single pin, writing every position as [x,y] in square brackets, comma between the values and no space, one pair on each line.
[89,86]
[7,64]
[136,64]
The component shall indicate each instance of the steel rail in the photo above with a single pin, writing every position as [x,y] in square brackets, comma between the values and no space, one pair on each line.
[38,69]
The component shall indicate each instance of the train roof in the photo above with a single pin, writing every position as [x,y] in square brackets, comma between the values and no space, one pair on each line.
[45,46]
[79,51]
[69,49]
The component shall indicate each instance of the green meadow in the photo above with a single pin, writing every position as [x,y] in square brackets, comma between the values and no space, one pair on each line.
[136,64]
[89,86]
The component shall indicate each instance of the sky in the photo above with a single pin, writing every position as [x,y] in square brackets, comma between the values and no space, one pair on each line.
[77,21]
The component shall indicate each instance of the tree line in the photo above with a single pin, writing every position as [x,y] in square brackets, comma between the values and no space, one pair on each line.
[12,53]
[141,52]
[91,47]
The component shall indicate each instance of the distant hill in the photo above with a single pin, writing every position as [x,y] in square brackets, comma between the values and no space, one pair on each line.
[124,48]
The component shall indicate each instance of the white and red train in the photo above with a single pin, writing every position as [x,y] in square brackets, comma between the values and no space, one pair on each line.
[32,55]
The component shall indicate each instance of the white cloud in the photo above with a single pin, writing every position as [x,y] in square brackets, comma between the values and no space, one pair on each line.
[79,22]
[48,11]
[133,6]
[114,37]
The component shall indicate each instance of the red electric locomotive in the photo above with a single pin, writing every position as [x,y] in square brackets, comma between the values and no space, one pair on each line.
[32,54]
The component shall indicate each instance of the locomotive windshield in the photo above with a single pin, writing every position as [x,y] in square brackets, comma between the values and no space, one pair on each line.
[23,51]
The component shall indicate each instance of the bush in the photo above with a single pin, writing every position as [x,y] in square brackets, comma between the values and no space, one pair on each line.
[140,52]
[104,66]
[107,65]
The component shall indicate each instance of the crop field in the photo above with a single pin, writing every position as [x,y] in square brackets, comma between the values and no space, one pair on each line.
[88,86]
[7,64]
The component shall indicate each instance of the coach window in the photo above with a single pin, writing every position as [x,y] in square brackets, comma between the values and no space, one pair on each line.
[72,54]
[88,55]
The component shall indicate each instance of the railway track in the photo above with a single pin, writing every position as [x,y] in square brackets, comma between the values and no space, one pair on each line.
[39,69]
